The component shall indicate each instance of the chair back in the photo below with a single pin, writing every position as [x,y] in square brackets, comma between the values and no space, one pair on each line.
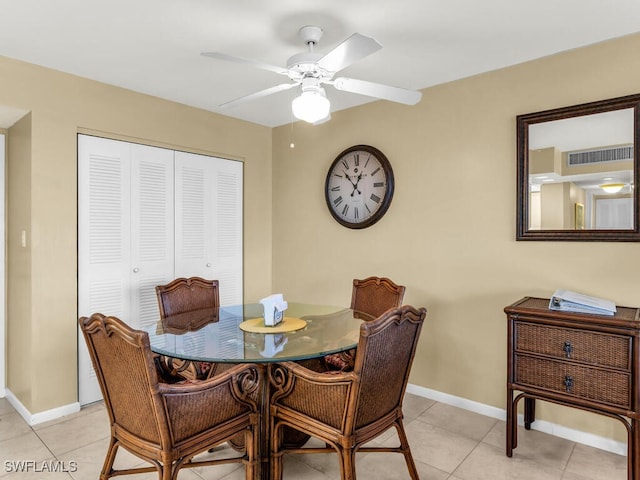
[187,294]
[383,361]
[376,295]
[123,363]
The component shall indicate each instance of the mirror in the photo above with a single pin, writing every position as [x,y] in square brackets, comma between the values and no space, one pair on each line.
[577,172]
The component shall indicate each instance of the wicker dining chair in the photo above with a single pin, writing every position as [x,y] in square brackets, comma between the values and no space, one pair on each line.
[167,424]
[376,295]
[187,294]
[348,409]
[180,296]
[372,296]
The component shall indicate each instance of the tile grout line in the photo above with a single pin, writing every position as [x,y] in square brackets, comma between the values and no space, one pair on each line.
[466,457]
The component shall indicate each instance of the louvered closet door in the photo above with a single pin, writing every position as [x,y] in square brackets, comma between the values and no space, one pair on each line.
[209,221]
[104,241]
[125,236]
[152,230]
[147,215]
[614,212]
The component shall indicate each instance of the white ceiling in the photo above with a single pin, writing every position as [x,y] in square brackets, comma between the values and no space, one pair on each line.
[154,46]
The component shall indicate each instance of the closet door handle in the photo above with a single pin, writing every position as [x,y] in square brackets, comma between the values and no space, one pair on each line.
[136,270]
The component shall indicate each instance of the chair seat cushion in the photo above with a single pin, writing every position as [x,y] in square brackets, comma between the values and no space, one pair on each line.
[175,369]
[342,361]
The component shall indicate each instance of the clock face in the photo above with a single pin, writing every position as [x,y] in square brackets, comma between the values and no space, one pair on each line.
[359,186]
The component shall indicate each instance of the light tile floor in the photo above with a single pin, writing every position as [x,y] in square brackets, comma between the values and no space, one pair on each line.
[447,444]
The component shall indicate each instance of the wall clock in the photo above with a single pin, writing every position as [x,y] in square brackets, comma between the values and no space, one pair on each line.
[359,186]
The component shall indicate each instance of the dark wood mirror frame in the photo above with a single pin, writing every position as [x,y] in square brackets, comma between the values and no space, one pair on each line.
[523,232]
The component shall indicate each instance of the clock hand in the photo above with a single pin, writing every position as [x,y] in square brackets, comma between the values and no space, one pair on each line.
[348,178]
[354,185]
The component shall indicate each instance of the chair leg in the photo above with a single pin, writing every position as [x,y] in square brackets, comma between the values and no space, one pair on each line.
[107,468]
[169,472]
[251,450]
[347,463]
[406,450]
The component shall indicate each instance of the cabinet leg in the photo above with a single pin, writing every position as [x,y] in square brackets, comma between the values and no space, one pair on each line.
[512,433]
[633,455]
[529,412]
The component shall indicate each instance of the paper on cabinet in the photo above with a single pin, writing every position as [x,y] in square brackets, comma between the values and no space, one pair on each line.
[568,301]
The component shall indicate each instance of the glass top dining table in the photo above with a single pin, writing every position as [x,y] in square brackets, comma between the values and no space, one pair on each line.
[217,335]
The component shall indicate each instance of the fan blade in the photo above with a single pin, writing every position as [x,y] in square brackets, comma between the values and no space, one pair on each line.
[377,90]
[354,48]
[246,61]
[260,94]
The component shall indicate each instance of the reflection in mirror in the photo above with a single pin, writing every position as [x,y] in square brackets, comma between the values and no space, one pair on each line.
[586,161]
[577,171]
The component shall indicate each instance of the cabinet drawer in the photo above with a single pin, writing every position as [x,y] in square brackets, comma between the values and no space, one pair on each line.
[605,386]
[596,348]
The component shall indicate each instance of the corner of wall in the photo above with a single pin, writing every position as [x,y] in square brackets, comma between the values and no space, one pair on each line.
[18,259]
[40,417]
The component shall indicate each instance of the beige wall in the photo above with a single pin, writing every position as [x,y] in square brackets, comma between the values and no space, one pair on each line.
[449,235]
[41,167]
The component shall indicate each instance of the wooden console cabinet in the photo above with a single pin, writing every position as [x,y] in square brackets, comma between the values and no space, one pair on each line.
[576,360]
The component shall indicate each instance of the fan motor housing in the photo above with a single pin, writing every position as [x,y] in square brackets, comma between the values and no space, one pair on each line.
[304,61]
[305,65]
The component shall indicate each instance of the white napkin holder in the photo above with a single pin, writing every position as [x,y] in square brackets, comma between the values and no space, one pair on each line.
[274,307]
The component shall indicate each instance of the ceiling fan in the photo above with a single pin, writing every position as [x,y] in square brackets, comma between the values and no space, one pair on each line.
[311,70]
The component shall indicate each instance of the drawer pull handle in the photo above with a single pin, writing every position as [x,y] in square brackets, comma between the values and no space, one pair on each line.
[568,383]
[568,349]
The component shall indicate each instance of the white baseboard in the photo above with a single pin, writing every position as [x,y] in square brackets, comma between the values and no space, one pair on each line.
[40,417]
[571,434]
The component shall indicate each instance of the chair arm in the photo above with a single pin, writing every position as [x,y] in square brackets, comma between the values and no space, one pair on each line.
[192,408]
[333,376]
[322,396]
[195,386]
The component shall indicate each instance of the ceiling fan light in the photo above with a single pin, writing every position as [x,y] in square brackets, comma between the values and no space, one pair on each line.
[612,187]
[311,106]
